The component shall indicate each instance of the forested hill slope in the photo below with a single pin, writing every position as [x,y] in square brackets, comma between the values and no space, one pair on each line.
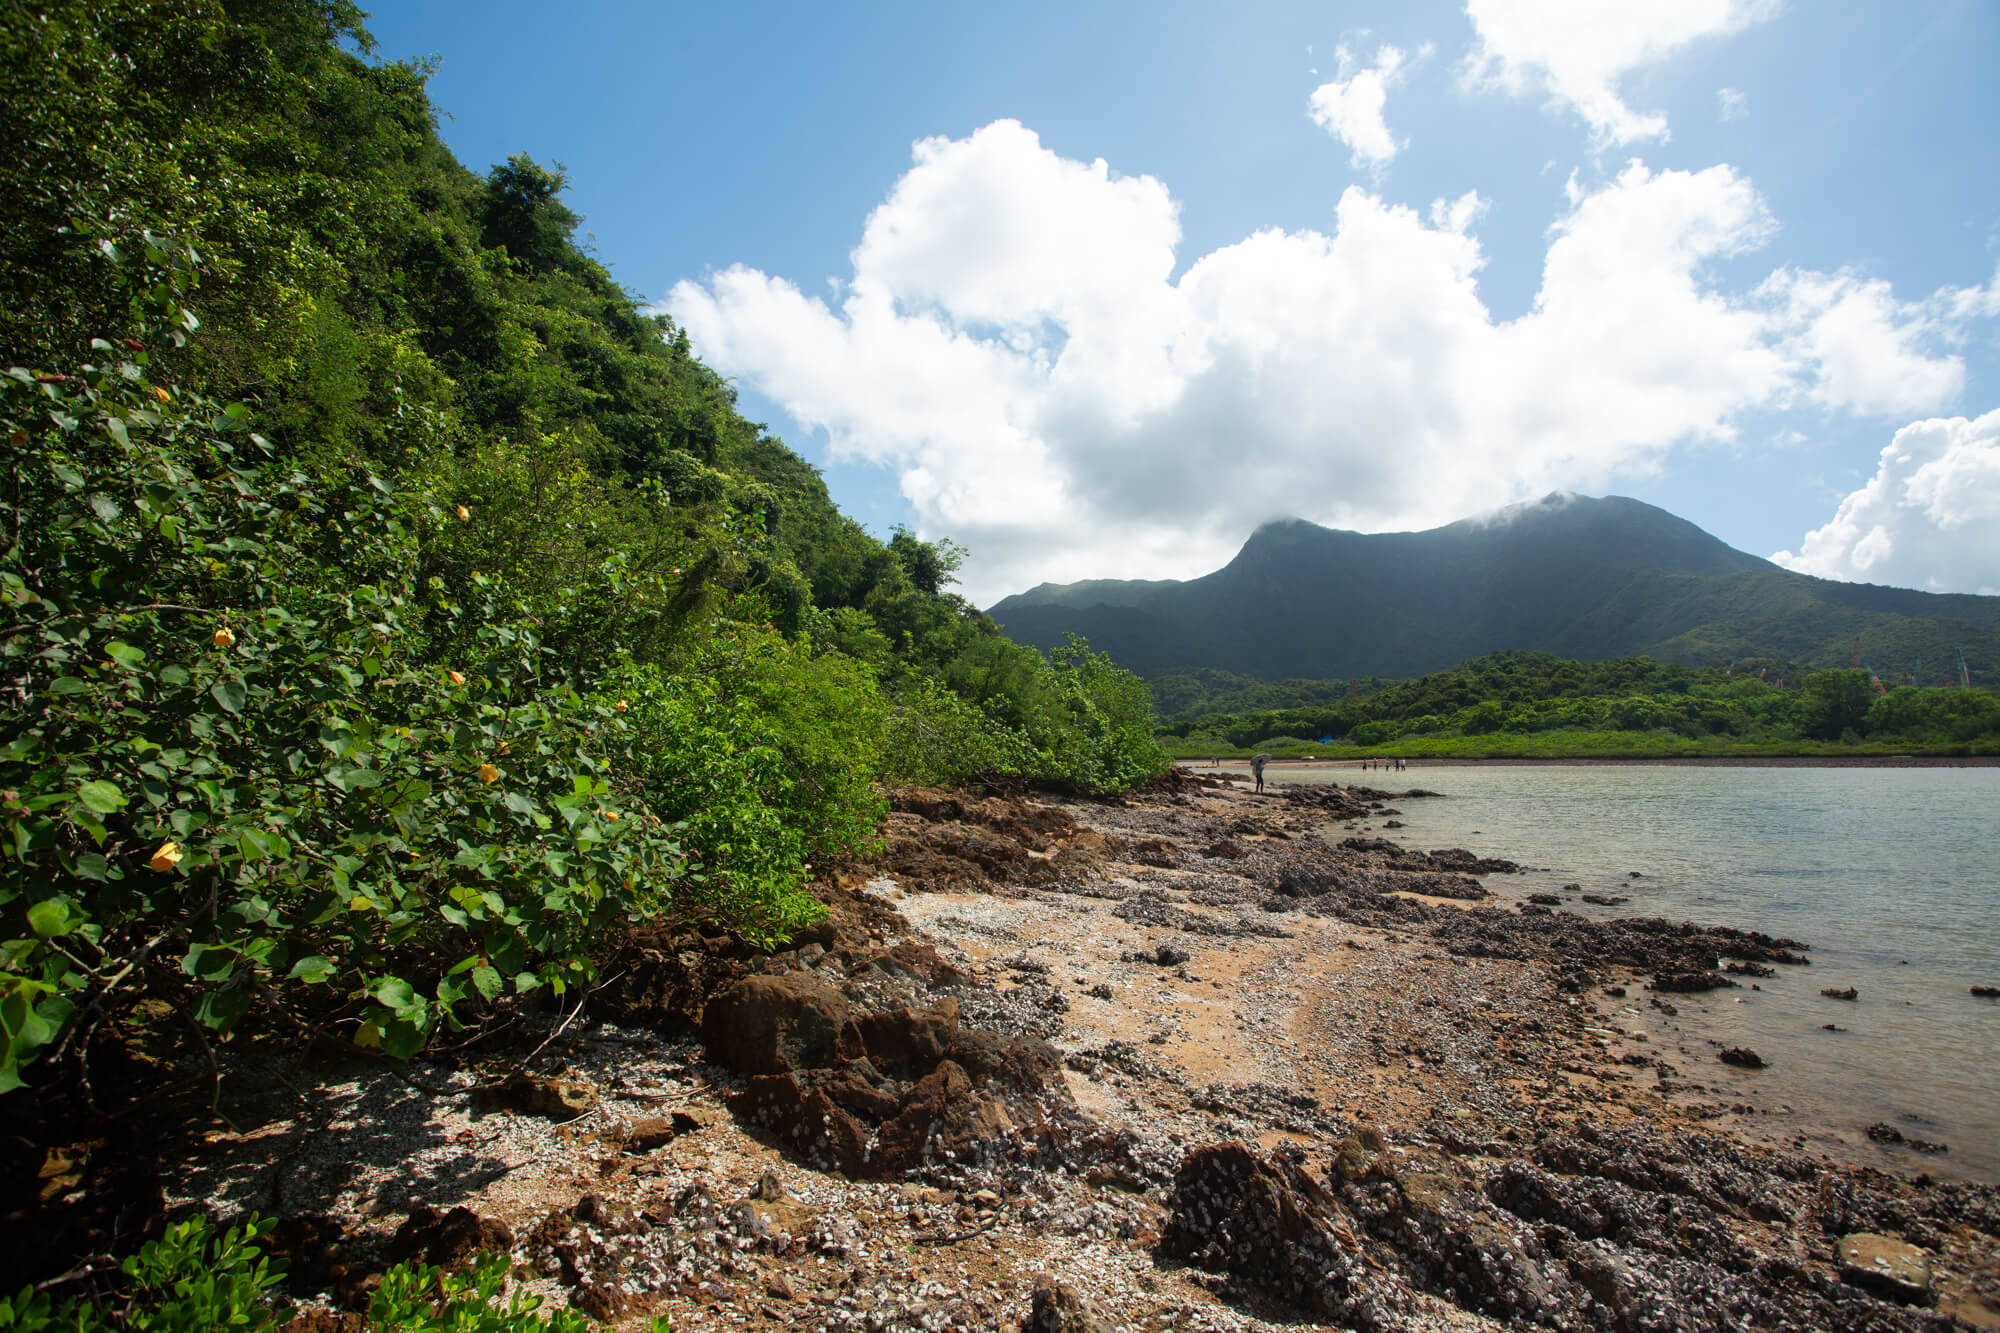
[391,610]
[1581,577]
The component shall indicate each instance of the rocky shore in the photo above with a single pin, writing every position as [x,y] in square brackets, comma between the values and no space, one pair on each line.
[1204,1059]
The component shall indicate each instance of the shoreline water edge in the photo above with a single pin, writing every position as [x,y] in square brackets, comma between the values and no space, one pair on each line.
[1192,1060]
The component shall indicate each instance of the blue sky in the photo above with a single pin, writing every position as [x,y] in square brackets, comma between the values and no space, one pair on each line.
[1095,289]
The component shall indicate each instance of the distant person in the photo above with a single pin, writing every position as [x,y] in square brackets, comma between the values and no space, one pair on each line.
[1257,763]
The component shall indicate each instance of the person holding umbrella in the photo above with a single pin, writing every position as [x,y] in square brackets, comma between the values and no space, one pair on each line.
[1257,763]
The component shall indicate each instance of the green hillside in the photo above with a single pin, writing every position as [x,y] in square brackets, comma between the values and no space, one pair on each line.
[394,611]
[1582,578]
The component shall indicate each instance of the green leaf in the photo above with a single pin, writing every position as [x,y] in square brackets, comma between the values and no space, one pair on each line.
[487,981]
[312,970]
[101,797]
[355,779]
[395,993]
[229,694]
[50,918]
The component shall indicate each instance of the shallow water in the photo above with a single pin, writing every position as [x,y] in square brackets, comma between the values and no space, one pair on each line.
[1891,875]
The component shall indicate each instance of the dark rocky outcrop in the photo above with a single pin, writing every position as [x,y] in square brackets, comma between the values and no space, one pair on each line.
[878,1093]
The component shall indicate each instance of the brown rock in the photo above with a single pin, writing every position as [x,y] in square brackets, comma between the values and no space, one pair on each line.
[448,1240]
[906,1040]
[941,1114]
[1058,1309]
[601,1301]
[802,1120]
[776,1024]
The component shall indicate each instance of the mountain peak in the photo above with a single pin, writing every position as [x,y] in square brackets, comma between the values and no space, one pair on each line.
[1580,576]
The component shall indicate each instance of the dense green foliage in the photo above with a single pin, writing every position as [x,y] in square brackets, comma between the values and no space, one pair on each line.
[1586,707]
[196,1279]
[391,608]
[1589,579]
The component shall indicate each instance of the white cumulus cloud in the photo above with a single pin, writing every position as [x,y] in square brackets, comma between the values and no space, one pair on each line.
[1579,51]
[1350,107]
[1929,518]
[1013,342]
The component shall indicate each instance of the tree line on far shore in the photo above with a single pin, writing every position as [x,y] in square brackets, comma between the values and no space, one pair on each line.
[1536,703]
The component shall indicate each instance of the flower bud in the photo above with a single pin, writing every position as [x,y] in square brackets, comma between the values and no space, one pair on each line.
[225,637]
[488,773]
[455,677]
[166,858]
[463,513]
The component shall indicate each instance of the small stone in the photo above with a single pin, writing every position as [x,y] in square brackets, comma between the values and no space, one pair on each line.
[1887,1267]
[1837,993]
[1058,1309]
[1743,1058]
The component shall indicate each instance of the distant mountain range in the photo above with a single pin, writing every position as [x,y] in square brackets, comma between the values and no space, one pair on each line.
[1581,577]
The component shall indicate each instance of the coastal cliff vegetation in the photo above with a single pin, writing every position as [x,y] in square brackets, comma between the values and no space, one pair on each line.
[394,608]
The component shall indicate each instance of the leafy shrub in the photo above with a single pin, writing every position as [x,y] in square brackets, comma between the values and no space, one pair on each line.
[194,1280]
[226,749]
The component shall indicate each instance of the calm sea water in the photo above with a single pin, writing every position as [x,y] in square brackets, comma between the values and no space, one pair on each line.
[1892,875]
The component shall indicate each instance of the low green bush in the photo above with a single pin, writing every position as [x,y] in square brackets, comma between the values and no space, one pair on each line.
[195,1279]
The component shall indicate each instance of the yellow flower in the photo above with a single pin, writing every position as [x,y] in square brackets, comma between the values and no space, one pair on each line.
[622,705]
[463,513]
[159,393]
[611,815]
[225,637]
[166,858]
[455,677]
[488,773]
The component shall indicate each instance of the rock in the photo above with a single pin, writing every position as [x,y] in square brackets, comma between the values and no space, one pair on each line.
[1834,993]
[1058,1309]
[1987,992]
[1270,1226]
[1605,899]
[1882,1133]
[1166,955]
[1742,1057]
[1545,899]
[804,1121]
[1886,1267]
[602,1301]
[525,1094]
[448,1240]
[1750,970]
[909,1041]
[942,1114]
[1687,983]
[778,1024]
[1225,849]
[779,1287]
[654,1132]
[1100,991]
